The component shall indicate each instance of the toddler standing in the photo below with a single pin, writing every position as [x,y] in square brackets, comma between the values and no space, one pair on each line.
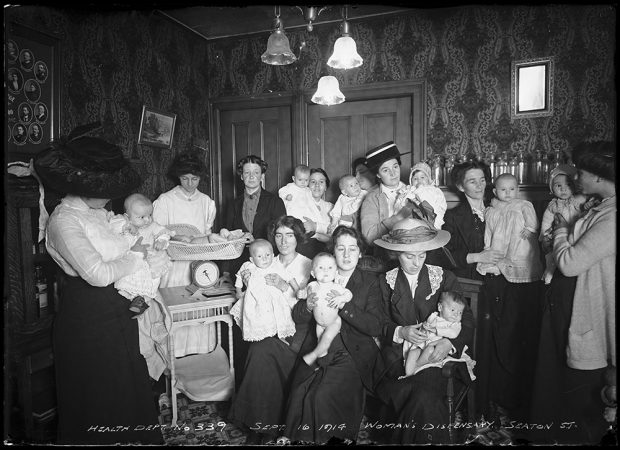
[565,202]
[137,223]
[262,310]
[421,189]
[347,207]
[445,322]
[296,195]
[326,289]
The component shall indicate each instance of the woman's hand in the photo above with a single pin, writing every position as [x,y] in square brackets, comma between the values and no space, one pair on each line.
[309,225]
[336,301]
[526,234]
[139,247]
[245,276]
[273,279]
[442,349]
[488,256]
[413,333]
[311,301]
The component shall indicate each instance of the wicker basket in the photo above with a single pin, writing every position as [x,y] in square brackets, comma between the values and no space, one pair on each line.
[183,251]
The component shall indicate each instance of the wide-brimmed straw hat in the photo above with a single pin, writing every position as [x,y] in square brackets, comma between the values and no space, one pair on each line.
[384,152]
[413,235]
[86,166]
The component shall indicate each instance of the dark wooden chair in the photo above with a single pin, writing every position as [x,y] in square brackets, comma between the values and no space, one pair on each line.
[458,390]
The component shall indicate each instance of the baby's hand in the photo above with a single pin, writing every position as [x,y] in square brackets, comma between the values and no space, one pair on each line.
[526,234]
[159,245]
[289,197]
[302,294]
[130,228]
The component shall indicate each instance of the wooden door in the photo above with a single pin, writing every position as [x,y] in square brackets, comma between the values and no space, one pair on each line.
[241,130]
[339,134]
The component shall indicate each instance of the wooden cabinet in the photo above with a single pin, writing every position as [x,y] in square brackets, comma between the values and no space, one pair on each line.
[30,403]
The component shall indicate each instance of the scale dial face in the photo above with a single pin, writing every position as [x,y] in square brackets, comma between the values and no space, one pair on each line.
[204,273]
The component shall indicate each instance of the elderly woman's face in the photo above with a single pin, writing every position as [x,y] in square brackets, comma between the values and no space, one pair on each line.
[411,262]
[189,182]
[252,175]
[474,184]
[389,173]
[346,252]
[285,239]
[317,185]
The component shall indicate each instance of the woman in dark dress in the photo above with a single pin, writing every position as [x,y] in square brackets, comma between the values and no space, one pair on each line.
[410,294]
[327,399]
[465,223]
[103,389]
[261,397]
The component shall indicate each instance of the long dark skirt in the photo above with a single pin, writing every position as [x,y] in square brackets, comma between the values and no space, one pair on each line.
[261,398]
[515,310]
[103,389]
[421,410]
[328,402]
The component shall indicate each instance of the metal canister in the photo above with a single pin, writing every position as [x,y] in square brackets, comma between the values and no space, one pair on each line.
[437,170]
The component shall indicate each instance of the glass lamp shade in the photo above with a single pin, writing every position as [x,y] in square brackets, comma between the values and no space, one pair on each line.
[278,51]
[328,92]
[345,54]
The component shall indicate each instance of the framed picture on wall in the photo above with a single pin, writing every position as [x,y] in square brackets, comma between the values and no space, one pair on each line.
[32,100]
[532,88]
[156,128]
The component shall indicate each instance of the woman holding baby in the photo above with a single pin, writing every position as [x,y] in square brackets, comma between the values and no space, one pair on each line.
[410,294]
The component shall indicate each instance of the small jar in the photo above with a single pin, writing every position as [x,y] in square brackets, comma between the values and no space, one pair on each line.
[437,170]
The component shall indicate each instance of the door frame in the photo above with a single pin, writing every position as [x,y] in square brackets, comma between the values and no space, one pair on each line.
[217,105]
[416,90]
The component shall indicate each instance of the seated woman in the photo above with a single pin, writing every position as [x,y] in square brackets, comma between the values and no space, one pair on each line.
[261,396]
[410,295]
[331,392]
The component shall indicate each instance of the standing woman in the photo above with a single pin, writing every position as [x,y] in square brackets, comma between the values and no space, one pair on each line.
[184,203]
[465,223]
[379,212]
[101,377]
[578,332]
[410,295]
[261,395]
[316,225]
[332,391]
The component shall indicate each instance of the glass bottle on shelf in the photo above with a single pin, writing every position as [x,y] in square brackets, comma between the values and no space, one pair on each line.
[545,168]
[437,170]
[502,165]
[522,175]
[558,158]
[489,160]
[536,168]
[447,169]
[512,165]
[41,290]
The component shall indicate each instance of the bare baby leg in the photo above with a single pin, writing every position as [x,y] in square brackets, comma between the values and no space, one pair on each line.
[326,335]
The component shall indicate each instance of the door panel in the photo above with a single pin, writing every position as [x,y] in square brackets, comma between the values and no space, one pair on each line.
[264,132]
[339,134]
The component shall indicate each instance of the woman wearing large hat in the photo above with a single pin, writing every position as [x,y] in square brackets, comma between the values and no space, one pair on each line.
[410,295]
[101,377]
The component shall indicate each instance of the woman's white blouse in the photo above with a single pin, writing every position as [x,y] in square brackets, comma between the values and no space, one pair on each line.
[175,206]
[321,215]
[81,240]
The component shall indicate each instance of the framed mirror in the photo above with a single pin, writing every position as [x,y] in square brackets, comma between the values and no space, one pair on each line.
[532,88]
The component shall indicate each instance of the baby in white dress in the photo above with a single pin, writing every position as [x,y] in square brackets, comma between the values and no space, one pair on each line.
[347,207]
[421,189]
[328,321]
[136,223]
[262,311]
[296,195]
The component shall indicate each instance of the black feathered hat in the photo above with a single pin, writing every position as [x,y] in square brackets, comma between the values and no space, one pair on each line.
[86,166]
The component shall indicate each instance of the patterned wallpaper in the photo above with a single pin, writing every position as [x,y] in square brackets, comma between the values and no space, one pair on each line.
[465,54]
[115,62]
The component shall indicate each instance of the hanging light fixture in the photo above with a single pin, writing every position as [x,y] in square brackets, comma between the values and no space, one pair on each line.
[278,51]
[328,92]
[345,54]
